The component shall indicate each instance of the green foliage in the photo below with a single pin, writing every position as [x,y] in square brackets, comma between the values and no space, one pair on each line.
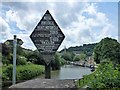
[86,48]
[26,52]
[1,71]
[57,62]
[82,56]
[0,63]
[35,57]
[77,58]
[21,60]
[68,56]
[20,51]
[24,72]
[5,50]
[5,61]
[29,71]
[107,48]
[104,77]
[32,58]
[62,61]
[7,72]
[0,56]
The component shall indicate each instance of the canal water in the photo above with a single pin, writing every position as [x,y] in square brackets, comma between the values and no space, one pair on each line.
[69,72]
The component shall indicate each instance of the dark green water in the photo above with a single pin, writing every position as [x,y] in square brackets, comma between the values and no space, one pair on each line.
[69,72]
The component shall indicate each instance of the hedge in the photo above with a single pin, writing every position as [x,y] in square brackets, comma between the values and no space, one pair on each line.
[105,76]
[24,72]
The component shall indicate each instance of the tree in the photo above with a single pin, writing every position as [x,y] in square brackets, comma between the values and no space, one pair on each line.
[20,51]
[5,50]
[77,58]
[21,60]
[0,56]
[35,57]
[82,56]
[68,56]
[55,64]
[107,48]
[86,49]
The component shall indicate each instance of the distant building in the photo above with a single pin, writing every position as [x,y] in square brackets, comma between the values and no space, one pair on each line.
[10,42]
[91,61]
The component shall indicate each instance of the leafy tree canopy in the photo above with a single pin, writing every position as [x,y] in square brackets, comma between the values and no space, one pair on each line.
[68,56]
[107,48]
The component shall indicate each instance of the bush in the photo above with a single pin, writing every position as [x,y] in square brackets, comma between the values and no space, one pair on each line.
[29,71]
[62,61]
[21,60]
[7,72]
[57,62]
[5,61]
[104,77]
[24,72]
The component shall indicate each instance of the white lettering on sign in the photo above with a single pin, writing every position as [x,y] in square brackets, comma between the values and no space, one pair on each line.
[47,17]
[47,22]
[47,35]
[50,28]
[54,32]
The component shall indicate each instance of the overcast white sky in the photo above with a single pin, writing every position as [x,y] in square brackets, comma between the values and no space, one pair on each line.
[81,22]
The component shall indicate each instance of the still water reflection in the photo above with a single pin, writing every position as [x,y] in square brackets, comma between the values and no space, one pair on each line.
[69,72]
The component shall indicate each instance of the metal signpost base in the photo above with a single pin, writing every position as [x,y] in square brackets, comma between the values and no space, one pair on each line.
[47,59]
[48,71]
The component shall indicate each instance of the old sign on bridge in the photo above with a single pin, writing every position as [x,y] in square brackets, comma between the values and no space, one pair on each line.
[47,36]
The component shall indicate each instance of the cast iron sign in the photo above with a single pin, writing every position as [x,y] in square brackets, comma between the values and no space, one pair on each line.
[47,36]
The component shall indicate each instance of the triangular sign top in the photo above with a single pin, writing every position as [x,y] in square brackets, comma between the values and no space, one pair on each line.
[47,12]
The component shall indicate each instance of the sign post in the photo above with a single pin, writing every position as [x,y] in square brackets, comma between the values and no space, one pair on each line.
[14,59]
[47,71]
[47,37]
